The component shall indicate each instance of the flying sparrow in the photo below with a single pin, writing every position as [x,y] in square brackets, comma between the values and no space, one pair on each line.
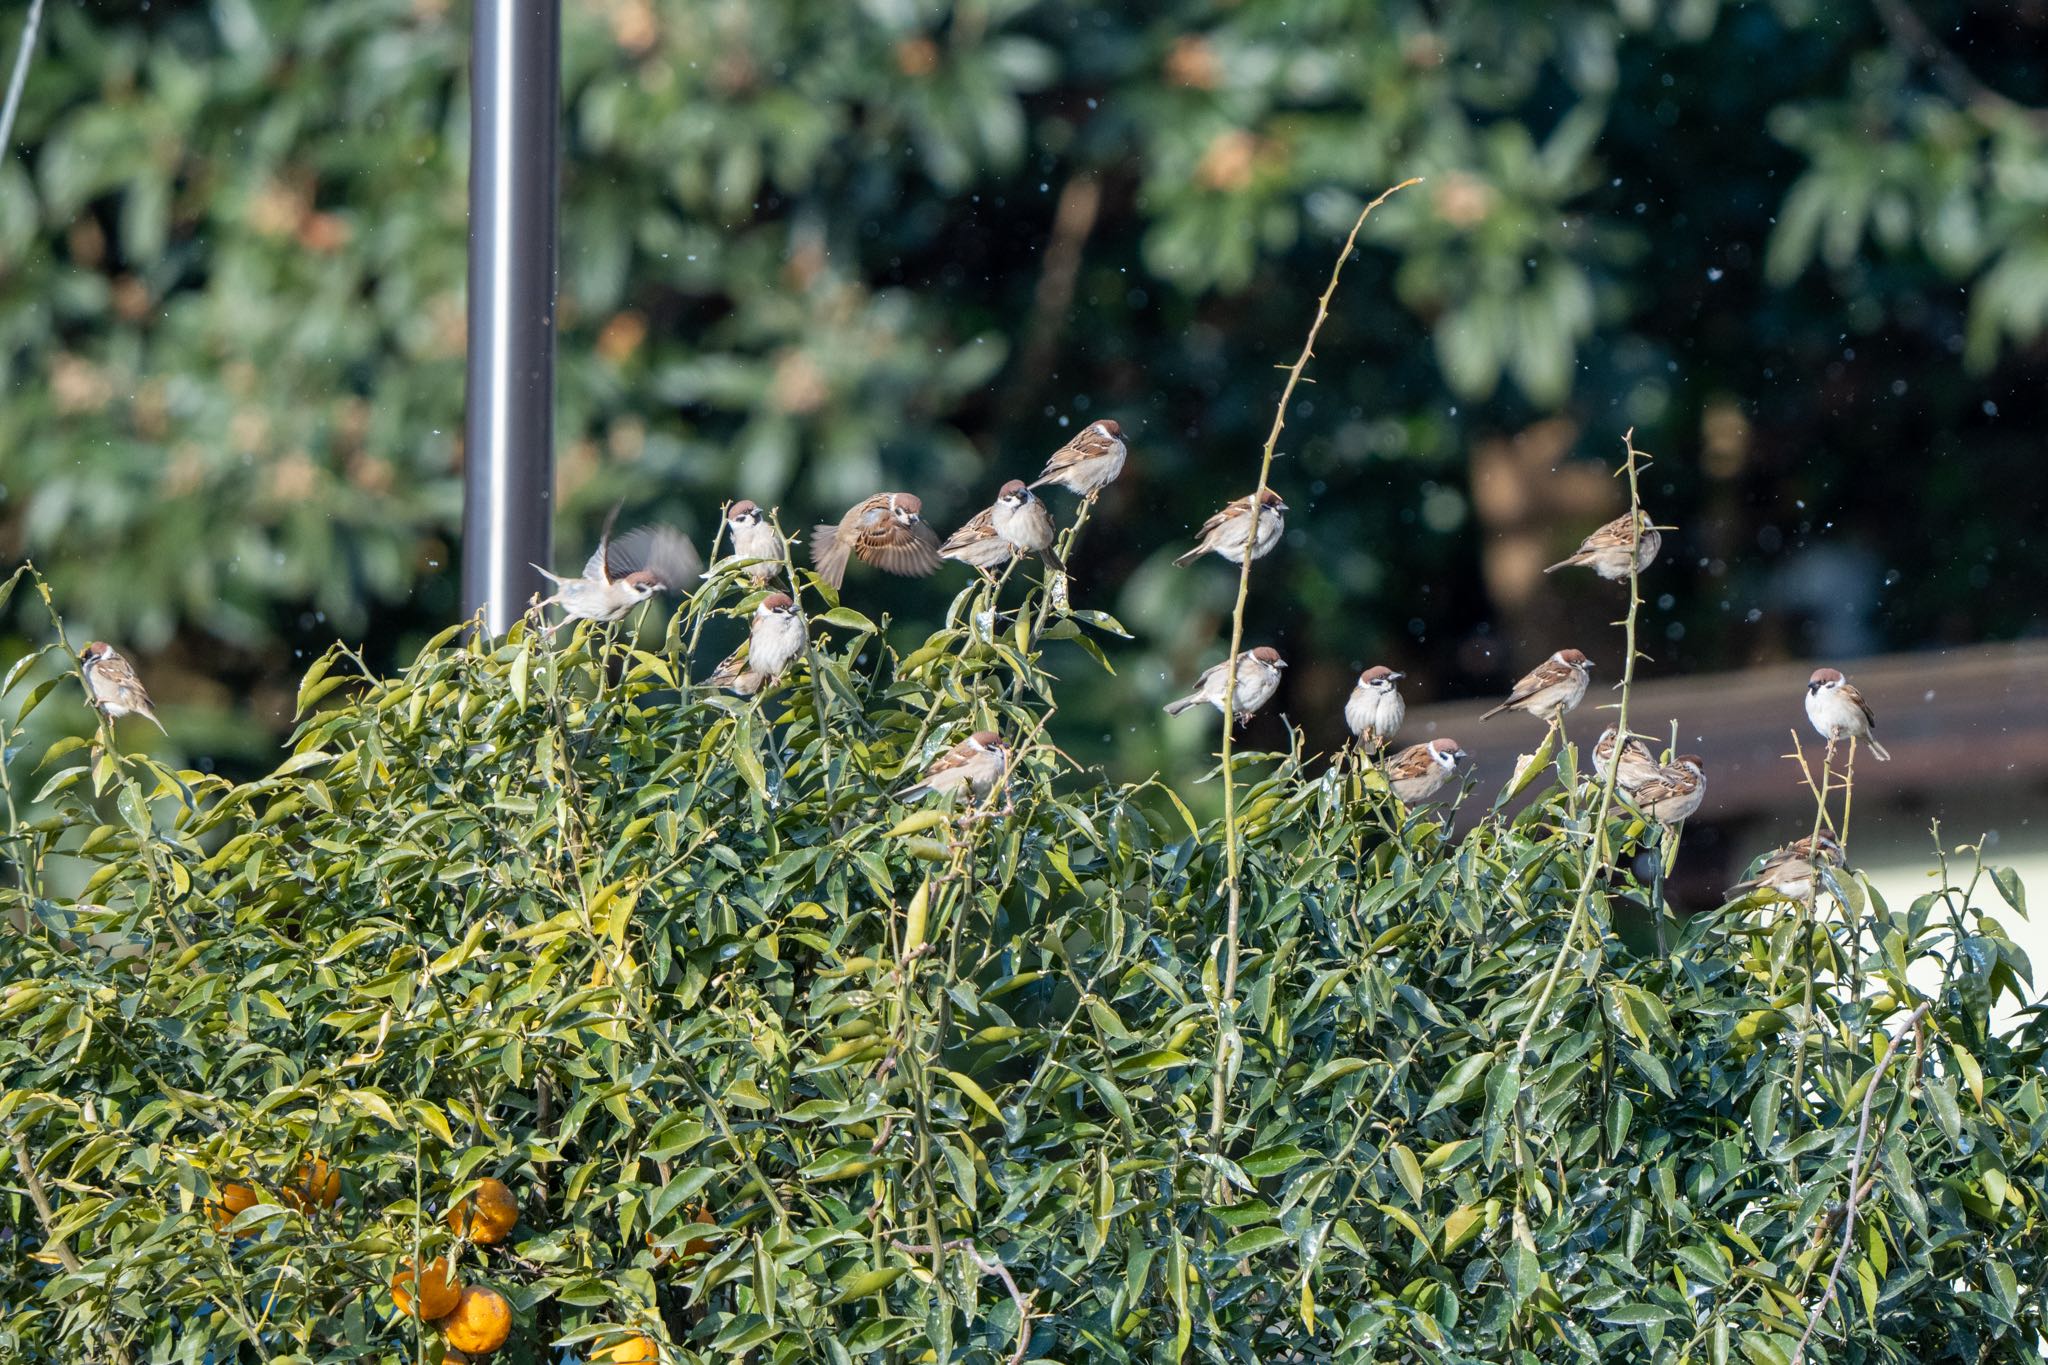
[1605,552]
[116,691]
[746,526]
[1375,709]
[1419,770]
[621,574]
[1838,710]
[774,640]
[1089,463]
[1550,689]
[977,763]
[1017,524]
[1672,793]
[1224,533]
[1789,870]
[887,531]
[1258,678]
[1638,763]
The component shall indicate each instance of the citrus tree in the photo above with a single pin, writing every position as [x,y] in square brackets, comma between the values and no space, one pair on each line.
[540,992]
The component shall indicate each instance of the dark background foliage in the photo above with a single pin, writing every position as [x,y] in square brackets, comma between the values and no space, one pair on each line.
[812,250]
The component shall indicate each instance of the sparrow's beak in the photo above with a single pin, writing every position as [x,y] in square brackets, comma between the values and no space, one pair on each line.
[1395,677]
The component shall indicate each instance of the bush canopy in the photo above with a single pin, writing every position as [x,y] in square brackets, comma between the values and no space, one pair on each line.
[777,1067]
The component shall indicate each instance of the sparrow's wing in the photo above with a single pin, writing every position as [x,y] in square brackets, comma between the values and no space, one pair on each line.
[980,527]
[730,671]
[1545,675]
[597,568]
[663,551]
[1410,762]
[1869,716]
[912,551]
[1210,536]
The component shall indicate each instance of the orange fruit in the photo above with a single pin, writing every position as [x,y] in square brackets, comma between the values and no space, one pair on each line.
[486,1217]
[636,1348]
[315,1185]
[233,1199]
[700,1246]
[480,1322]
[438,1289]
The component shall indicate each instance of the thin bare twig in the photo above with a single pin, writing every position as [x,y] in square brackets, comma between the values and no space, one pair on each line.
[1226,1026]
[19,79]
[1857,1189]
[988,1265]
[58,1248]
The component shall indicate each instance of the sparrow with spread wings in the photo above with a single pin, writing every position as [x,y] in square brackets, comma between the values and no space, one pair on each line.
[621,574]
[887,530]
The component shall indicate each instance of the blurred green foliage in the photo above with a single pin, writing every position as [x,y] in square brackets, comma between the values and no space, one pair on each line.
[539,913]
[811,250]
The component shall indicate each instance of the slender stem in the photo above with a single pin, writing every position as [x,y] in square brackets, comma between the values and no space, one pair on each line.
[810,660]
[48,1216]
[1857,1190]
[1226,1008]
[20,77]
[1597,848]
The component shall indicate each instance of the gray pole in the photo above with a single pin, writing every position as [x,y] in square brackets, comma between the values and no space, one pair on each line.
[508,480]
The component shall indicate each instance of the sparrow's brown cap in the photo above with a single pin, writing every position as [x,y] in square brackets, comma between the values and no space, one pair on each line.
[909,502]
[1109,425]
[1447,745]
[987,739]
[1012,488]
[1266,654]
[1378,671]
[1268,498]
[741,508]
[776,601]
[1822,676]
[1695,760]
[1574,658]
[97,649]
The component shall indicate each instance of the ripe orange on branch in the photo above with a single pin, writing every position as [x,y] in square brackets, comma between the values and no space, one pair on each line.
[480,1321]
[437,1286]
[232,1200]
[486,1217]
[315,1185]
[636,1348]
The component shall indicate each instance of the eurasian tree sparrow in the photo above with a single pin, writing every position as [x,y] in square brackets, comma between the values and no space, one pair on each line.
[116,691]
[774,640]
[1789,870]
[1418,771]
[887,531]
[1224,534]
[1258,678]
[1606,551]
[1375,709]
[1018,523]
[1550,689]
[752,537]
[977,763]
[1088,463]
[621,574]
[1672,793]
[1839,712]
[1638,762]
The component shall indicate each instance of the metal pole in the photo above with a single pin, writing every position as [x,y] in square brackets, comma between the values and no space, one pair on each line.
[508,465]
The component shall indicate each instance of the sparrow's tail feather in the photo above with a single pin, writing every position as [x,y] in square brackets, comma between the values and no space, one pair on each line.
[1192,555]
[913,791]
[545,574]
[1497,710]
[1174,708]
[150,716]
[1052,557]
[828,555]
[1877,750]
[1562,564]
[1043,479]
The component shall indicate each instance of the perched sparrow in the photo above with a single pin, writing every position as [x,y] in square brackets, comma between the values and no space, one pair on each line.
[977,763]
[746,525]
[1224,533]
[116,691]
[888,531]
[1789,870]
[621,574]
[1419,770]
[1258,678]
[1550,689]
[1638,763]
[1017,524]
[773,642]
[1672,793]
[1375,709]
[1838,710]
[977,545]
[1089,463]
[1605,552]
